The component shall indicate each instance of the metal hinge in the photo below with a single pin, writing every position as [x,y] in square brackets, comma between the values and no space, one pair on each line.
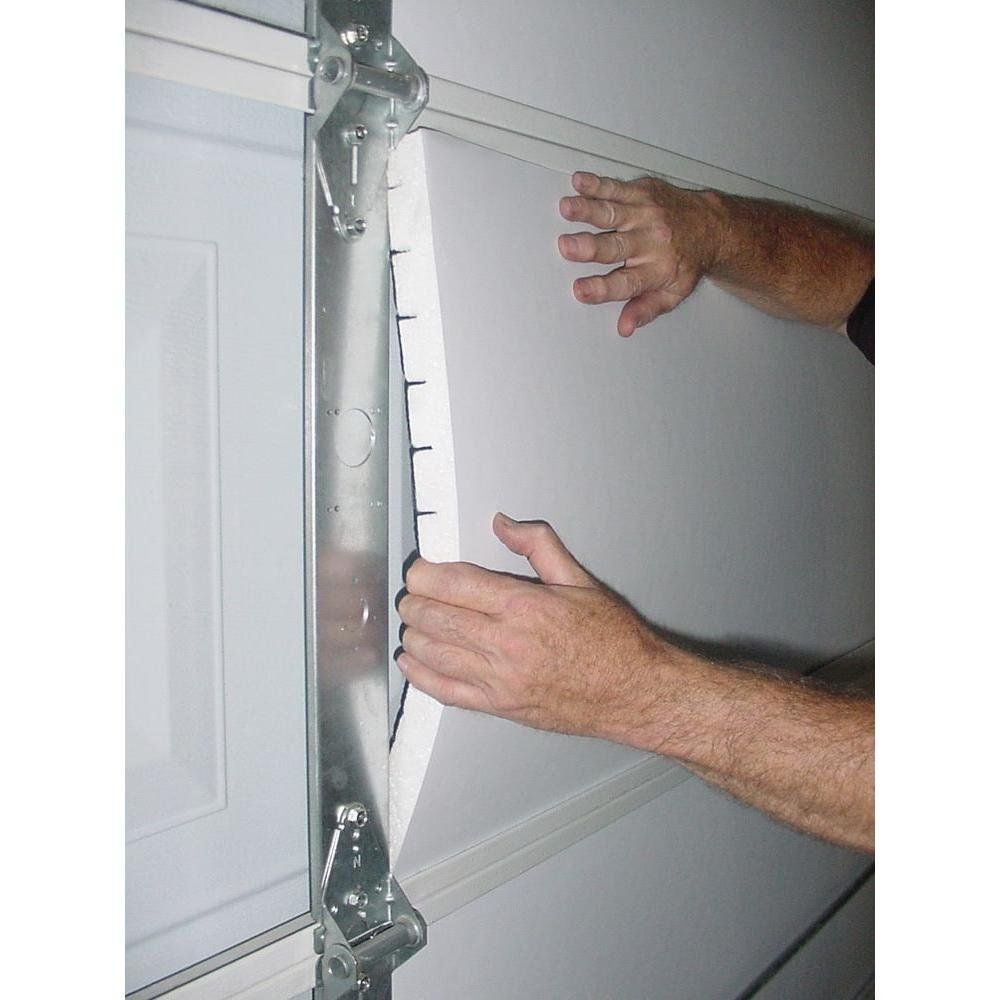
[366,94]
[369,927]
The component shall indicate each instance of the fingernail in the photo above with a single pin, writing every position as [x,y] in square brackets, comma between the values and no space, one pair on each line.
[568,244]
[401,663]
[504,519]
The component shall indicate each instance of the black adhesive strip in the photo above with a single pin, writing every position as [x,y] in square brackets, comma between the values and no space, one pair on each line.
[399,714]
[413,486]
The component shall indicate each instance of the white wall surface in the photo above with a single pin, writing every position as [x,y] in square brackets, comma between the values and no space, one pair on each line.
[779,90]
[216,780]
[687,898]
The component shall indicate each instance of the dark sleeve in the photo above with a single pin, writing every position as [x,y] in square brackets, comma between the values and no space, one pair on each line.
[861,325]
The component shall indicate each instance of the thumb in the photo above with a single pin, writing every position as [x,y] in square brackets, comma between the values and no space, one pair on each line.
[541,546]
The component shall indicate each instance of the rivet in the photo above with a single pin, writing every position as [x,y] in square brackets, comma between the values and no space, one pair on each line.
[358,815]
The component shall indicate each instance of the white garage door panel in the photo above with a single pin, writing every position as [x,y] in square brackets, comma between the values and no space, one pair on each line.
[174,627]
[716,468]
[690,897]
[216,793]
[778,91]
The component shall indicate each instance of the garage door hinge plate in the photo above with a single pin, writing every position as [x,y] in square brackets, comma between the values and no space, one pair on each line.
[369,927]
[366,94]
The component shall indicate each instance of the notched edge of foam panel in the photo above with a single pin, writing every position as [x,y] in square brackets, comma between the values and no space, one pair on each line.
[421,338]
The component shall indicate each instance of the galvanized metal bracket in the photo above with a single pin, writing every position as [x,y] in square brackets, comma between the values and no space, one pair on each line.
[366,93]
[369,927]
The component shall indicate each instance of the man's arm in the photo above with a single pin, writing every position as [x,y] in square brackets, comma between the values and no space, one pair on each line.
[785,260]
[565,654]
[802,754]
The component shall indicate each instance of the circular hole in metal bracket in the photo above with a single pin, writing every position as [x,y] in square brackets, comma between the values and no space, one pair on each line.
[353,437]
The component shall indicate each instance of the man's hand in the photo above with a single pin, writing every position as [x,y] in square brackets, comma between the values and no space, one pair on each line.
[666,239]
[785,260]
[561,653]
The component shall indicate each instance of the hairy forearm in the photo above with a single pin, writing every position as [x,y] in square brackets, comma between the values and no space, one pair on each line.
[789,261]
[801,753]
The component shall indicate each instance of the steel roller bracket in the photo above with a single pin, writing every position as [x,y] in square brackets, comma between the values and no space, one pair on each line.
[366,94]
[369,927]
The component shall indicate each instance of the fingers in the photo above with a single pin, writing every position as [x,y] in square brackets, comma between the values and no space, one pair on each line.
[460,584]
[444,658]
[446,690]
[605,202]
[542,547]
[618,286]
[445,623]
[593,186]
[600,213]
[602,248]
[645,308]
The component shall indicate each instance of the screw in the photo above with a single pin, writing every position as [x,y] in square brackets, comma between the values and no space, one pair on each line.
[358,815]
[355,34]
[355,135]
[357,898]
[357,227]
[364,983]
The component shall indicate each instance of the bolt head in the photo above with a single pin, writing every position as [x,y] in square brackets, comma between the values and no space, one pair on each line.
[355,34]
[361,133]
[364,983]
[358,815]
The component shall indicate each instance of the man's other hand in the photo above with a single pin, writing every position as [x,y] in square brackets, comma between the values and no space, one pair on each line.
[665,238]
[560,653]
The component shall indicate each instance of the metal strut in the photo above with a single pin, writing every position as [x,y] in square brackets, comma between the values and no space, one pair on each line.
[366,92]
